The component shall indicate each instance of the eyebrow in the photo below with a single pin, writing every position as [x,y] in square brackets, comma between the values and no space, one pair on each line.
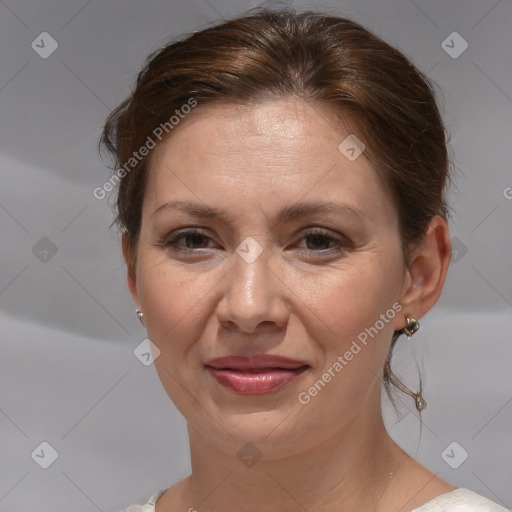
[287,214]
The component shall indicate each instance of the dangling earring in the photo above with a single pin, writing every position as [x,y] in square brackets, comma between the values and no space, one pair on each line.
[419,401]
[411,327]
[140,316]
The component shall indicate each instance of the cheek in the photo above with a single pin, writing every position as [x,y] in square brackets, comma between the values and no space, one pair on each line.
[351,298]
[357,307]
[172,300]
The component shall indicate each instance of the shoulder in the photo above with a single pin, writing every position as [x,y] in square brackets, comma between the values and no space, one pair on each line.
[460,500]
[147,507]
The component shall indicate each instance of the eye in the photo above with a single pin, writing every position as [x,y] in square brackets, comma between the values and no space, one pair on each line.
[320,241]
[193,239]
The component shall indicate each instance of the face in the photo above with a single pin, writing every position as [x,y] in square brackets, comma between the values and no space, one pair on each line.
[259,236]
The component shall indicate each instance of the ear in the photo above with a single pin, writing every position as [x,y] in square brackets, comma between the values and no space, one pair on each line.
[426,273]
[131,278]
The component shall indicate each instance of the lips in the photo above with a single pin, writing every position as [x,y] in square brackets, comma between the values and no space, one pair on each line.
[255,375]
[257,362]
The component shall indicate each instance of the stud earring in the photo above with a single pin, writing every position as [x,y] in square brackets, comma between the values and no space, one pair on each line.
[140,316]
[411,327]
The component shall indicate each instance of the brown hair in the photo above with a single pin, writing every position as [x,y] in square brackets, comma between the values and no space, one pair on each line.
[320,58]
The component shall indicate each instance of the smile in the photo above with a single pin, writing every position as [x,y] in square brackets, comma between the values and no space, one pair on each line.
[255,375]
[255,382]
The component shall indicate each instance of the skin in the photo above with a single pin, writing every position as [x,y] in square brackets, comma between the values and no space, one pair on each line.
[303,297]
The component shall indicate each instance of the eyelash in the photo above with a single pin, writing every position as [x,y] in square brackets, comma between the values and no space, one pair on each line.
[340,245]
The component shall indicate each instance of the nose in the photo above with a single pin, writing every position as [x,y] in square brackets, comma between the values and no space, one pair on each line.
[254,296]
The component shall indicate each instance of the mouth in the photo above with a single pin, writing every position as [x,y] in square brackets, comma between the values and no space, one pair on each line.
[255,375]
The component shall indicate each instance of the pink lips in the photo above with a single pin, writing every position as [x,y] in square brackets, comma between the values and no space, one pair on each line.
[255,375]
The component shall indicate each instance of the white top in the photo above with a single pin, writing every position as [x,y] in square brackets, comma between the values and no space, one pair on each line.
[458,500]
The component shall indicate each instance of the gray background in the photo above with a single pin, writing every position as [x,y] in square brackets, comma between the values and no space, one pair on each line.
[68,374]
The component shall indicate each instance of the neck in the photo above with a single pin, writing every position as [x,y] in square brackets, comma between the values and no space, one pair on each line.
[353,467]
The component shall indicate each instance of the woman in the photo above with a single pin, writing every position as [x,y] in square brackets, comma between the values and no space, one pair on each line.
[281,195]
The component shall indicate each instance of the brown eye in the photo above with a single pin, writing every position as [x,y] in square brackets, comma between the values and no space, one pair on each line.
[322,242]
[193,239]
[319,242]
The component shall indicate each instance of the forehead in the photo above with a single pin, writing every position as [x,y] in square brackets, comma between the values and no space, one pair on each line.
[277,148]
[225,128]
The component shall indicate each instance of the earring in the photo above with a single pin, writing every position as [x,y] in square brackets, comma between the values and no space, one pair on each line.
[420,402]
[140,315]
[411,327]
